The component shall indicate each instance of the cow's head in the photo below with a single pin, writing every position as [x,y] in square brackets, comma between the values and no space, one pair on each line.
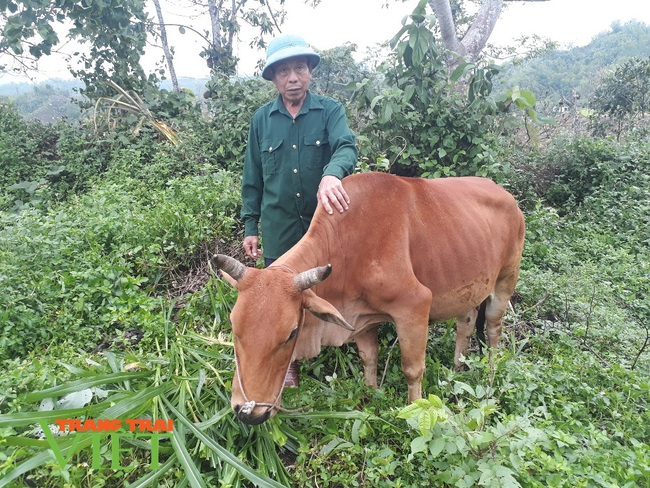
[266,322]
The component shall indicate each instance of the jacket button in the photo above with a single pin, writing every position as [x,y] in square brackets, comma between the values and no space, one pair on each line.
[295,170]
[294,146]
[318,143]
[298,195]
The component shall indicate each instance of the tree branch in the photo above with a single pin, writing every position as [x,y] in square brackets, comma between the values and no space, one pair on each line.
[168,54]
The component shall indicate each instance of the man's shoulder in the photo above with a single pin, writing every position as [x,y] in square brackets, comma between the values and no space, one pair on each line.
[326,102]
[265,109]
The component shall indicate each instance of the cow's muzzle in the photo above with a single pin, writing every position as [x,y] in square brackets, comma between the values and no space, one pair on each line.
[251,414]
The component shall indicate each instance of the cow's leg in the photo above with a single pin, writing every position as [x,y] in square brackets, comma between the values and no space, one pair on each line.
[497,303]
[413,345]
[412,324]
[465,325]
[368,345]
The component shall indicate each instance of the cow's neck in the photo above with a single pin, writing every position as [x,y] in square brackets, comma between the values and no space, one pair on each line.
[313,250]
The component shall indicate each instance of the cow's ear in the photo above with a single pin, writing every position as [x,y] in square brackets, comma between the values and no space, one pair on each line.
[323,310]
[229,279]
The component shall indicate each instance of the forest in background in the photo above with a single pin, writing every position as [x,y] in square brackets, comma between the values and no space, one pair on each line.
[109,308]
[558,78]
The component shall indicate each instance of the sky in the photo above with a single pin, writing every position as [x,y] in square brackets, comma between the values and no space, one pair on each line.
[368,23]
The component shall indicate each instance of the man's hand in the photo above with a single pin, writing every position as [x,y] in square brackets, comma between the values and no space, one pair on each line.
[331,193]
[250,246]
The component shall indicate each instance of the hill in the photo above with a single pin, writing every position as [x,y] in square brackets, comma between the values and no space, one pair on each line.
[574,73]
[52,101]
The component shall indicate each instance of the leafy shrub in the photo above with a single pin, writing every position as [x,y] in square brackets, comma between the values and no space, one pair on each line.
[27,153]
[412,117]
[571,170]
[546,418]
[231,105]
[621,100]
[84,270]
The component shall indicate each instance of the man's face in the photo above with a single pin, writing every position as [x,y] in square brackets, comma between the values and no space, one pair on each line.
[291,77]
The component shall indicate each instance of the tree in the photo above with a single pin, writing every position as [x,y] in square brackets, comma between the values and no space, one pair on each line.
[413,124]
[169,57]
[622,100]
[226,17]
[113,33]
[336,72]
[474,40]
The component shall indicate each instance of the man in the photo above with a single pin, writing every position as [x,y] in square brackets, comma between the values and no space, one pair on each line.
[299,149]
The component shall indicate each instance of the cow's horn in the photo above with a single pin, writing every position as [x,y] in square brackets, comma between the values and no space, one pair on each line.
[312,277]
[229,265]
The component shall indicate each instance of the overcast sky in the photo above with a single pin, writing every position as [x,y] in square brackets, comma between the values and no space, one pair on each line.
[366,23]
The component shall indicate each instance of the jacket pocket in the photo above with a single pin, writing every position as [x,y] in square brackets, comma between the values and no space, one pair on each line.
[316,149]
[270,156]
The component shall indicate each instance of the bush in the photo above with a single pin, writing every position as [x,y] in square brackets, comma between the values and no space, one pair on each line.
[80,271]
[414,122]
[27,154]
[231,105]
[570,171]
[551,417]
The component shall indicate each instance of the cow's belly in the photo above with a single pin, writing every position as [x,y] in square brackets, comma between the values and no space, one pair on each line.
[446,305]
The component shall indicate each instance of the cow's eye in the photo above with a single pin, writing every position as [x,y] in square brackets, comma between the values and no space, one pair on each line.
[293,334]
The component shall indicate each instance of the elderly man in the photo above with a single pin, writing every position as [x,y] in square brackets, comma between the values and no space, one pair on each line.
[299,149]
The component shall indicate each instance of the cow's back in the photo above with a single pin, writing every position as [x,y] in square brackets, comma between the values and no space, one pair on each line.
[456,235]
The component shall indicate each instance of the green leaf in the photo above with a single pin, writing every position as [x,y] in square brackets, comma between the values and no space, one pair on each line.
[410,411]
[436,446]
[334,445]
[397,37]
[136,402]
[419,444]
[426,420]
[459,387]
[20,419]
[460,71]
[193,474]
[435,401]
[408,93]
[84,383]
[375,101]
[529,97]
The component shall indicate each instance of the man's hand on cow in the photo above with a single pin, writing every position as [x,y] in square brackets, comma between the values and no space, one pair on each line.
[250,246]
[331,193]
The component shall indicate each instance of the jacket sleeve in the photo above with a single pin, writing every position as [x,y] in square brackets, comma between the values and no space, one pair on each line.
[252,184]
[342,141]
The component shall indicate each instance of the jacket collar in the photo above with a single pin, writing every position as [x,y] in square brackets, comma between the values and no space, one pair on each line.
[310,103]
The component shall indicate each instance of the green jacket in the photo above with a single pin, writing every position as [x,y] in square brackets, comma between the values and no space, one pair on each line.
[285,161]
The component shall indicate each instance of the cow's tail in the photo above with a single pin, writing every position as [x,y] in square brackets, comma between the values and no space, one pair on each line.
[480,326]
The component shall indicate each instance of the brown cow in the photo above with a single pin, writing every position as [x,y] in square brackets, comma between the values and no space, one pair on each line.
[408,251]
